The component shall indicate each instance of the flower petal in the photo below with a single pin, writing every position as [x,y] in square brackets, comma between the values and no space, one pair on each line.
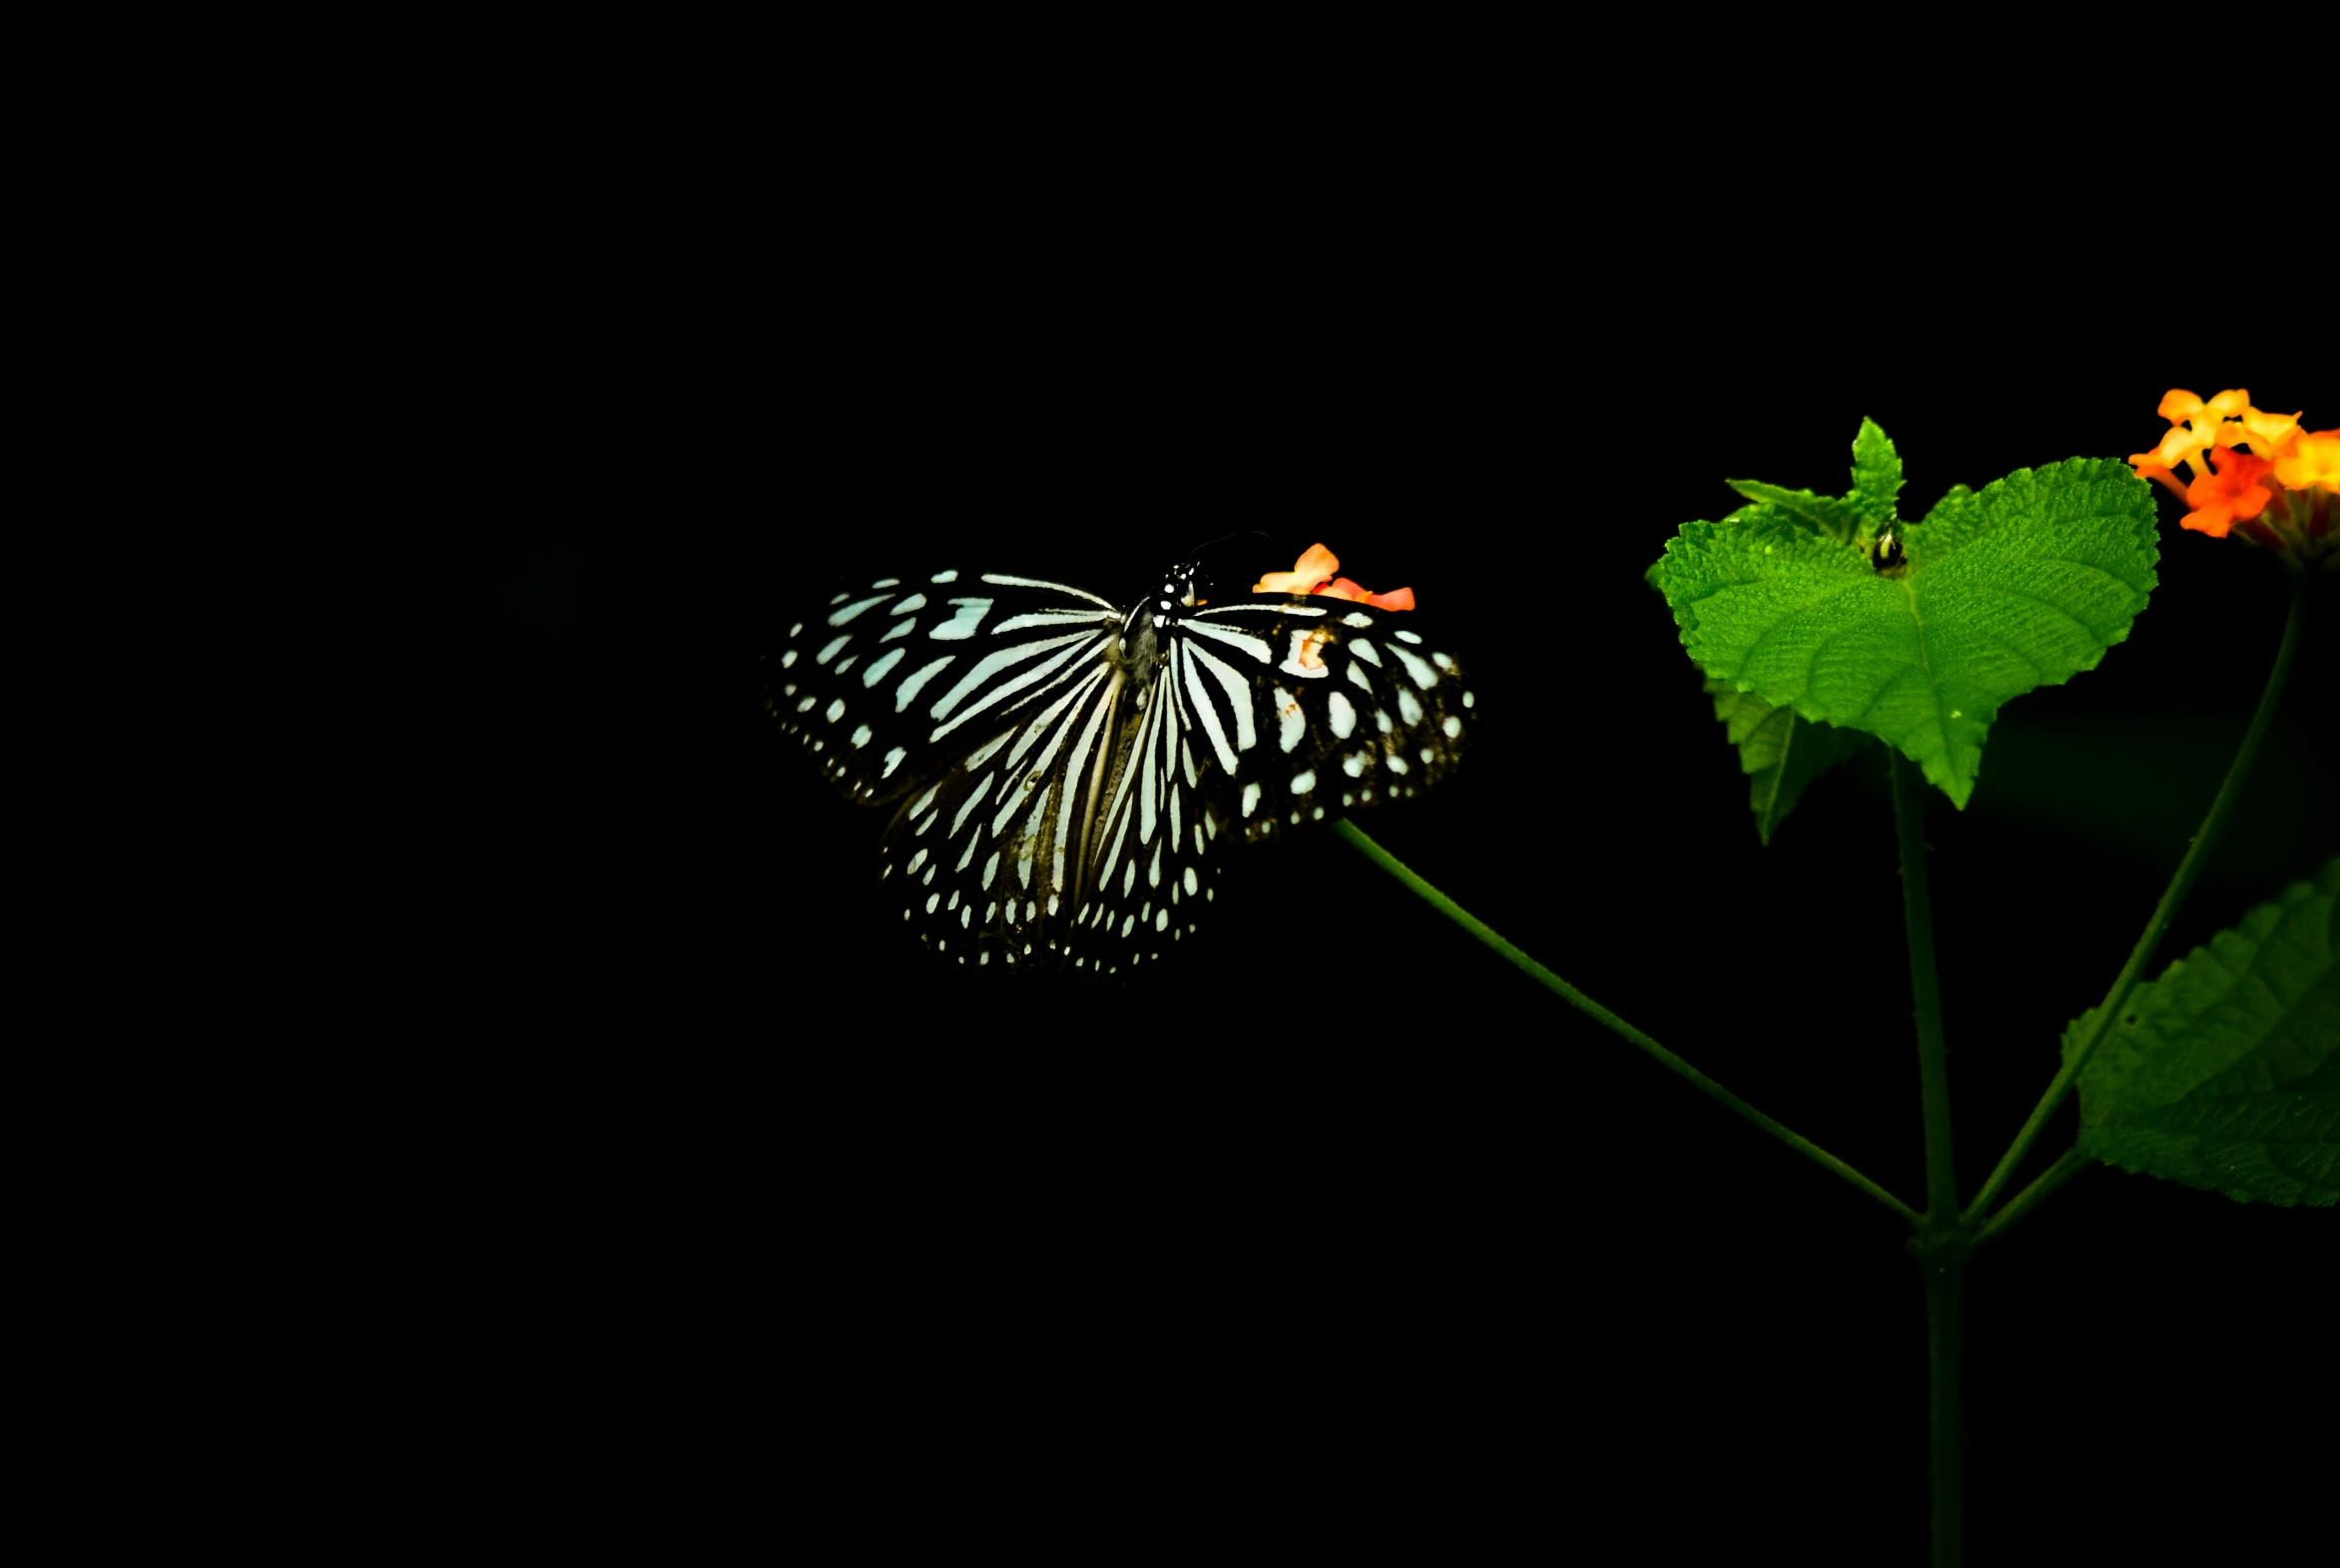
[1316,565]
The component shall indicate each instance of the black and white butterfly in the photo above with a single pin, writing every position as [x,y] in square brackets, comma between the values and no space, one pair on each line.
[1063,765]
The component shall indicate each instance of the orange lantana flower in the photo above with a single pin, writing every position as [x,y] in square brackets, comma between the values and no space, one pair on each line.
[1313,574]
[2280,495]
[2232,494]
[2310,460]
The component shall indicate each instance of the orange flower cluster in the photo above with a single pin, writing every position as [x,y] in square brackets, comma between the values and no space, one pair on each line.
[1313,574]
[2283,494]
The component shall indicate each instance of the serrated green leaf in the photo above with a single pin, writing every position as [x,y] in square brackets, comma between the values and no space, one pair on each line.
[1957,495]
[2222,1073]
[1780,753]
[1877,479]
[1823,514]
[2020,586]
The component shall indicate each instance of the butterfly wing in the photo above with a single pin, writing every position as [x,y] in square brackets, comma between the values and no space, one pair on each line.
[1315,706]
[1055,805]
[889,686]
[986,861]
[1270,712]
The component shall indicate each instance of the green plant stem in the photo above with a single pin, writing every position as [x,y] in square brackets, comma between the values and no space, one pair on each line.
[1945,1268]
[2172,898]
[2073,1161]
[1909,822]
[1586,1004]
[1942,1246]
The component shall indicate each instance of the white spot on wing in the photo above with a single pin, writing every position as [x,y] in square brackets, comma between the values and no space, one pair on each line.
[1423,675]
[1001,580]
[1343,712]
[1257,647]
[862,735]
[1291,723]
[1451,724]
[1304,782]
[910,606]
[1293,665]
[1238,698]
[1251,797]
[840,617]
[880,669]
[966,616]
[830,651]
[974,798]
[916,680]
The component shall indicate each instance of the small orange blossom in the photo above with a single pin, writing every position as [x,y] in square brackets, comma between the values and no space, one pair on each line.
[1313,574]
[2281,495]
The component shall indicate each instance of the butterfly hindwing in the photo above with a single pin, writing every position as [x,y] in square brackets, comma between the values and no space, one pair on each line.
[1152,871]
[985,859]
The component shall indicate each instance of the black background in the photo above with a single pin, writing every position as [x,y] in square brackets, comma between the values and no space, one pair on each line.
[693,1173]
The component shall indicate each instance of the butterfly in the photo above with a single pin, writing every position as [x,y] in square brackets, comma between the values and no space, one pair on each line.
[1061,765]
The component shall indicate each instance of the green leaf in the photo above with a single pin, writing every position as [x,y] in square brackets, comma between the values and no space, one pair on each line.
[1824,514]
[1780,753]
[2222,1073]
[2022,586]
[1877,479]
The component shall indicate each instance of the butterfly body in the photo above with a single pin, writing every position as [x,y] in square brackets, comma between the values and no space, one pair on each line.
[1062,767]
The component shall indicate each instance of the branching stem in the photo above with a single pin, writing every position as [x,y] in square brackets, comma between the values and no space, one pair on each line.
[2072,1162]
[1586,1004]
[2172,898]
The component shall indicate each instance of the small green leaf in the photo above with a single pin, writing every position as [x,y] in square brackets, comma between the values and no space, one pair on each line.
[1877,479]
[2022,586]
[1824,514]
[1780,753]
[2222,1074]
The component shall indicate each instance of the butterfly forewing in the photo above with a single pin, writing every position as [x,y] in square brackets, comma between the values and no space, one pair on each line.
[1066,772]
[890,686]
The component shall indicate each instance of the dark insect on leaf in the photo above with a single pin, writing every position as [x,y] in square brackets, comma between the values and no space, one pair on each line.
[1887,555]
[1061,766]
